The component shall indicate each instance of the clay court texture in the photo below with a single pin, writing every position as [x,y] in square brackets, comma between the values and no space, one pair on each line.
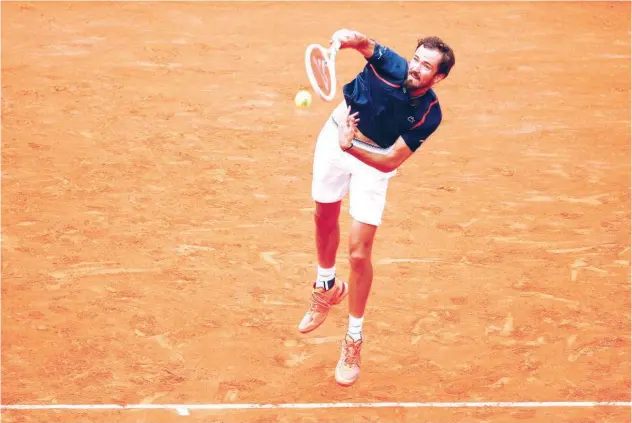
[157,228]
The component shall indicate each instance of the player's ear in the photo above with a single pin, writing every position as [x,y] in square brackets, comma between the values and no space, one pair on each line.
[438,77]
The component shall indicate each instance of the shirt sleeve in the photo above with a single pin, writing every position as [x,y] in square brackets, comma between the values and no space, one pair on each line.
[418,136]
[388,65]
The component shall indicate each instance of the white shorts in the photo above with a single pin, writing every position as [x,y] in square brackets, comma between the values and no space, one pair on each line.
[337,173]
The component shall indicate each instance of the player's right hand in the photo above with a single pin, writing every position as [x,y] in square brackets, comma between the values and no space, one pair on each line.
[344,38]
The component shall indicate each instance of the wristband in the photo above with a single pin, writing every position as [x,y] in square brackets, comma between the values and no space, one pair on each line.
[348,148]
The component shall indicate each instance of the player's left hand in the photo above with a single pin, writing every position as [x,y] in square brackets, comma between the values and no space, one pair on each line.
[347,129]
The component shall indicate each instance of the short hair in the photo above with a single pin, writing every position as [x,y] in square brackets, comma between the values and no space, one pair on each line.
[436,43]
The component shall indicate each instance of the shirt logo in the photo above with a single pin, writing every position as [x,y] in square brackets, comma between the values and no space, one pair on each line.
[411,119]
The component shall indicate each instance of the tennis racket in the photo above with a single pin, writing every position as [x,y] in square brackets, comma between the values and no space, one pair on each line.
[320,64]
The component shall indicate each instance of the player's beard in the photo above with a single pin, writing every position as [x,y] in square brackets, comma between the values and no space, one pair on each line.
[413,83]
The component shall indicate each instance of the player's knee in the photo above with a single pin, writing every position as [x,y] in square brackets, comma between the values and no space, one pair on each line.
[359,255]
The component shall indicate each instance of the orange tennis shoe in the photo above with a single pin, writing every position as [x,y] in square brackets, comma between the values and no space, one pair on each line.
[320,304]
[348,368]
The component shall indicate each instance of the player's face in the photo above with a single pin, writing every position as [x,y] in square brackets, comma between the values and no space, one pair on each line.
[422,69]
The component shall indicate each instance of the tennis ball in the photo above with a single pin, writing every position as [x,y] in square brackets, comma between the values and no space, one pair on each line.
[303,99]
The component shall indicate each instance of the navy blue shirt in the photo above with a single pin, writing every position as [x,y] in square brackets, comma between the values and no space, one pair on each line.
[386,110]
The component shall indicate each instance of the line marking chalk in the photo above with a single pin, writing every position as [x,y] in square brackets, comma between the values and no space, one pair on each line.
[184,408]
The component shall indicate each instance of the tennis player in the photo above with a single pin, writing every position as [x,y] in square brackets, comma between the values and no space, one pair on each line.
[389,111]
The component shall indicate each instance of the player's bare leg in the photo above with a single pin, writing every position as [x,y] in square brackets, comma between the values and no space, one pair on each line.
[361,240]
[328,290]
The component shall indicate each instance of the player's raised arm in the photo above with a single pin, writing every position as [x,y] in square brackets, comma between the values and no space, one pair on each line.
[353,39]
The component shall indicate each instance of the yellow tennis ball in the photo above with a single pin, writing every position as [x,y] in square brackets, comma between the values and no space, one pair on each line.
[303,99]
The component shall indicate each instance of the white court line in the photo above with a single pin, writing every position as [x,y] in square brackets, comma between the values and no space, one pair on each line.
[305,406]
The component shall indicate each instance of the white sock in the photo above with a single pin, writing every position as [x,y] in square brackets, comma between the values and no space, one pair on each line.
[355,327]
[324,276]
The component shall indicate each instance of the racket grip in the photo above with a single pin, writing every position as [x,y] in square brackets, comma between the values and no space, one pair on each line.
[335,46]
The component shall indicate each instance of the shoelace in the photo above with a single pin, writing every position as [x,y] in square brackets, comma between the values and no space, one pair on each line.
[319,302]
[352,353]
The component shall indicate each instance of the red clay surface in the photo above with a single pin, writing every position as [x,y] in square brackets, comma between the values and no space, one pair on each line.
[157,240]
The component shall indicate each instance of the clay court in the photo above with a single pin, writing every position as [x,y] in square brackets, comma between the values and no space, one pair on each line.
[157,229]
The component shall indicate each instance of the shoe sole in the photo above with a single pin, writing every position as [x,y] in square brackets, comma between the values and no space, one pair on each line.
[345,292]
[346,383]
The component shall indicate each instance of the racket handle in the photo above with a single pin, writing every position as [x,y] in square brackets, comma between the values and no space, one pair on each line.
[335,46]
